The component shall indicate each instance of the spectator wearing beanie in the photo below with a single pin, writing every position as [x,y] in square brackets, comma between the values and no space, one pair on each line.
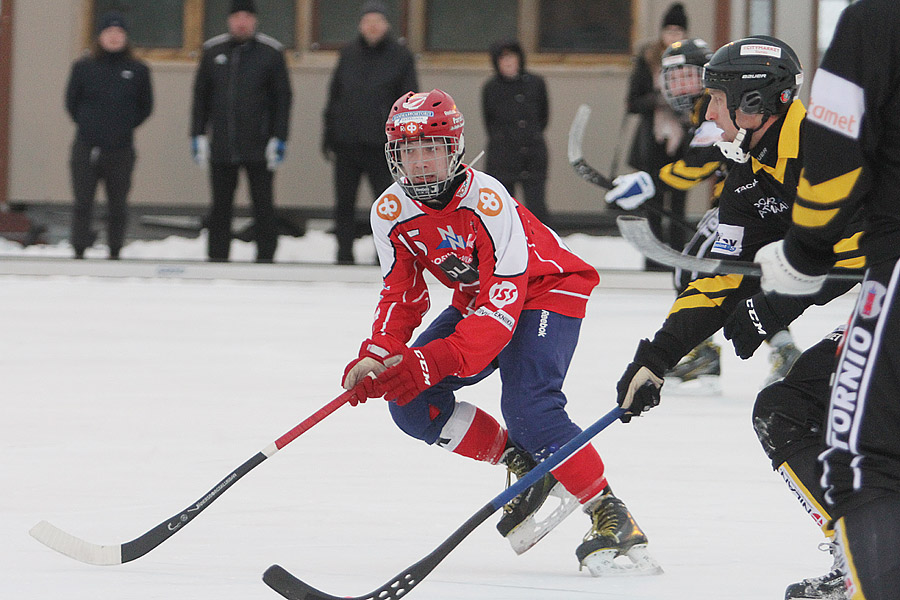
[372,72]
[108,95]
[240,119]
[658,136]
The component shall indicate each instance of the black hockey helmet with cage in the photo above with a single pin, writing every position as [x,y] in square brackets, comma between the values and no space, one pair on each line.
[759,75]
[682,73]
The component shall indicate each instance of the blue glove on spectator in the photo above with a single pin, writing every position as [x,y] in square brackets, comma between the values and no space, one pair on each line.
[274,153]
[200,150]
[632,190]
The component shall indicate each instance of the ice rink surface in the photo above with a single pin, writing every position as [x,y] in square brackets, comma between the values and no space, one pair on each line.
[125,400]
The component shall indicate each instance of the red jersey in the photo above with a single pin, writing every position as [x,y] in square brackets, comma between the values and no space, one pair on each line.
[492,252]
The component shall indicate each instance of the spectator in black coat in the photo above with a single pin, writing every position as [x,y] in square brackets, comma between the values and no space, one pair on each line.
[658,138]
[371,73]
[242,101]
[108,95]
[516,112]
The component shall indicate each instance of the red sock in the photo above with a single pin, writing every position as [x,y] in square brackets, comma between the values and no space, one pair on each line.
[582,474]
[474,433]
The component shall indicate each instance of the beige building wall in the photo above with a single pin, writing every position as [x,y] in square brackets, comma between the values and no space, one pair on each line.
[48,38]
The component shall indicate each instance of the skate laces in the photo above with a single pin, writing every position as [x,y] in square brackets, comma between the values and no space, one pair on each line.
[605,519]
[517,463]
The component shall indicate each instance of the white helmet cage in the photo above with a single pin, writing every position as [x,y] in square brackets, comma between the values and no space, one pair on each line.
[682,85]
[425,166]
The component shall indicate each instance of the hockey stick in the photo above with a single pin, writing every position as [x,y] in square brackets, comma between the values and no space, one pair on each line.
[280,580]
[592,175]
[637,231]
[96,554]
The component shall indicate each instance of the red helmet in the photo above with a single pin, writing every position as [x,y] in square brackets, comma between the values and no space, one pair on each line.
[426,121]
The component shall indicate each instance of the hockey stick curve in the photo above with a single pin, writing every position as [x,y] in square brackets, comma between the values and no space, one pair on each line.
[115,554]
[287,585]
[638,233]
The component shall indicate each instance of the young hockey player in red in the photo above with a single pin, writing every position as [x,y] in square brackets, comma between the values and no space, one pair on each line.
[519,296]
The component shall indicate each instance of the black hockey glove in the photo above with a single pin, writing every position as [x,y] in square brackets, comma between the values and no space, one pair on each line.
[752,322]
[638,389]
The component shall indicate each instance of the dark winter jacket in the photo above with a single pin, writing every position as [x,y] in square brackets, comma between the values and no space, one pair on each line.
[516,112]
[644,97]
[242,97]
[107,96]
[365,84]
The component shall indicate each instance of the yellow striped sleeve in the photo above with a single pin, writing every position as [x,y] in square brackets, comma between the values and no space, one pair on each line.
[682,177]
[707,292]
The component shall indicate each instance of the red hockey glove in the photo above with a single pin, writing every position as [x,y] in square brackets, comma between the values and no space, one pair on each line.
[418,370]
[370,360]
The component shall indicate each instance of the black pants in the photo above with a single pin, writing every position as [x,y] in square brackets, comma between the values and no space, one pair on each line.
[224,180]
[862,463]
[351,162]
[534,192]
[90,165]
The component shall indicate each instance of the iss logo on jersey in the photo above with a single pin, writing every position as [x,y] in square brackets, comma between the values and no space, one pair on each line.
[871,299]
[729,240]
[503,293]
[388,207]
[489,202]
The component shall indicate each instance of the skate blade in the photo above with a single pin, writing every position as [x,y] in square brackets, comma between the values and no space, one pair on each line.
[704,385]
[531,531]
[637,561]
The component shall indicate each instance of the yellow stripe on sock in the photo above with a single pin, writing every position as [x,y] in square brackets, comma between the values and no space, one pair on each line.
[851,579]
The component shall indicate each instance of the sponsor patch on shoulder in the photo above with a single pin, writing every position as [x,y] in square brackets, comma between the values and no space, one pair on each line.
[729,240]
[836,103]
[501,316]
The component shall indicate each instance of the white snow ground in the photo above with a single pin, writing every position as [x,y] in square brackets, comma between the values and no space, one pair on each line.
[126,399]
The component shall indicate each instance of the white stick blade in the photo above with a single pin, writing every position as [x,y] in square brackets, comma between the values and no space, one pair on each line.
[576,132]
[93,554]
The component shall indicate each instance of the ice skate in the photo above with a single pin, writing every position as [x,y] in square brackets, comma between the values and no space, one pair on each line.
[697,373]
[614,534]
[826,587]
[782,359]
[519,523]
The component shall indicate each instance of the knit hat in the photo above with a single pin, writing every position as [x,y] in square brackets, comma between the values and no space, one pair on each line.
[370,6]
[111,19]
[245,5]
[675,16]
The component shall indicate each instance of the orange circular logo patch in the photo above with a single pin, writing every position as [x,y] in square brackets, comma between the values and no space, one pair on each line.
[388,207]
[489,202]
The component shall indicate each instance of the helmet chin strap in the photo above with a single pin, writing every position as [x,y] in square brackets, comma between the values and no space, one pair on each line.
[738,150]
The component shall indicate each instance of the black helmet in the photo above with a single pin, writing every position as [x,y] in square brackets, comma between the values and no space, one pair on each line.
[759,75]
[682,73]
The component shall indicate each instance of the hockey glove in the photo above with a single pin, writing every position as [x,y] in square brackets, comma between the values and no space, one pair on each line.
[416,370]
[274,153]
[752,322]
[200,150]
[778,275]
[638,389]
[370,360]
[632,190]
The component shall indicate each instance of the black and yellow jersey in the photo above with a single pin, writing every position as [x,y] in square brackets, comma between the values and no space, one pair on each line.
[700,158]
[851,141]
[754,210]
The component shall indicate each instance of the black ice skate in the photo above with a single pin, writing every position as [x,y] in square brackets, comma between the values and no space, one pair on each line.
[614,533]
[781,359]
[698,372]
[826,587]
[519,522]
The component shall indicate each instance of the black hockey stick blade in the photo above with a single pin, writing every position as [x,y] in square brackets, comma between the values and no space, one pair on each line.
[115,554]
[292,588]
[638,233]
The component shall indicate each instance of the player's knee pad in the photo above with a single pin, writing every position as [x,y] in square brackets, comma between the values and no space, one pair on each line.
[779,421]
[424,417]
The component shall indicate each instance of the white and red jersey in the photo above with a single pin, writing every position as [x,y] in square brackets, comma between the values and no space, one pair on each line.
[494,254]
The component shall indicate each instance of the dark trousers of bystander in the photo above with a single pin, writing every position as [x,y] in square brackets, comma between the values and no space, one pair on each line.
[224,180]
[90,165]
[350,164]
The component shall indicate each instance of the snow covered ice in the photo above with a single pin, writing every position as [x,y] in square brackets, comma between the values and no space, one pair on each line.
[126,399]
